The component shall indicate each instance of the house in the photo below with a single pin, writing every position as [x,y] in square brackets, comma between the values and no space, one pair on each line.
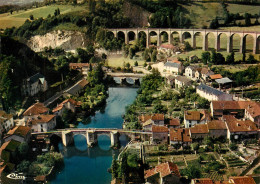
[171,80]
[190,72]
[174,123]
[217,128]
[19,133]
[202,181]
[6,122]
[35,110]
[197,75]
[180,136]
[240,129]
[147,126]
[215,76]
[42,123]
[159,134]
[181,81]
[240,109]
[206,73]
[212,94]
[158,119]
[163,173]
[224,82]
[34,85]
[68,104]
[173,60]
[172,68]
[192,118]
[198,132]
[144,117]
[168,49]
[77,89]
[82,67]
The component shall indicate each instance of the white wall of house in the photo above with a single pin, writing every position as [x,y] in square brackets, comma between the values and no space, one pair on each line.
[44,127]
[191,123]
[8,124]
[189,73]
[212,97]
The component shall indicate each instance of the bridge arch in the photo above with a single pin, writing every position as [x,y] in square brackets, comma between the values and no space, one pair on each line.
[248,43]
[187,36]
[210,42]
[175,36]
[80,142]
[235,43]
[198,40]
[143,38]
[222,41]
[104,141]
[131,36]
[164,37]
[154,38]
[121,36]
[111,34]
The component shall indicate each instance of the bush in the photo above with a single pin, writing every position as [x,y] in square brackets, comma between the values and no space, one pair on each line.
[233,146]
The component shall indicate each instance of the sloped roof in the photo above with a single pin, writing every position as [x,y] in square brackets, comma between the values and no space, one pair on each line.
[171,64]
[163,169]
[210,90]
[242,180]
[224,80]
[216,125]
[35,78]
[36,109]
[60,106]
[20,131]
[180,135]
[42,119]
[183,79]
[159,129]
[144,117]
[215,76]
[253,108]
[199,129]
[167,46]
[203,181]
[174,122]
[235,125]
[148,122]
[157,117]
[192,115]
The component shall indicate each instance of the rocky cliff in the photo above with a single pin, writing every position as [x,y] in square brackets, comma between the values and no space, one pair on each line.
[67,40]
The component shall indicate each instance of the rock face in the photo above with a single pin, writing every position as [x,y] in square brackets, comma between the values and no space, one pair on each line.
[67,40]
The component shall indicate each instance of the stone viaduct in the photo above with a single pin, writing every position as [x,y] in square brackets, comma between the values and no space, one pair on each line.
[91,134]
[136,77]
[193,33]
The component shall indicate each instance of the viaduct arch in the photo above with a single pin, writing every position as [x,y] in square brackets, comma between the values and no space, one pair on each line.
[193,32]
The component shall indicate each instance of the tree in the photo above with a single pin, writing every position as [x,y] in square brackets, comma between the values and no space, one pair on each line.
[31,17]
[213,56]
[231,58]
[23,149]
[146,55]
[124,171]
[205,56]
[251,59]
[114,168]
[128,65]
[247,19]
[23,166]
[187,46]
[136,63]
[131,53]
[233,146]
[192,171]
[145,64]
[195,146]
[154,56]
[149,67]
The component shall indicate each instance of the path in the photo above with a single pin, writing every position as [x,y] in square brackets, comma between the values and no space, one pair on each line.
[252,169]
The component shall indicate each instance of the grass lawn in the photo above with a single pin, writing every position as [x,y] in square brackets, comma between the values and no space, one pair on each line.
[119,60]
[18,18]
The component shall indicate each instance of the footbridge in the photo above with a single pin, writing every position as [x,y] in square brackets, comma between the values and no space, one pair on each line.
[192,34]
[136,77]
[91,134]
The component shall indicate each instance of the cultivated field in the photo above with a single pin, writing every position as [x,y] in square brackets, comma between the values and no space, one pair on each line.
[18,18]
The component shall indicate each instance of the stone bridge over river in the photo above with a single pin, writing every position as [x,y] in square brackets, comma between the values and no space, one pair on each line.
[136,77]
[91,134]
[193,33]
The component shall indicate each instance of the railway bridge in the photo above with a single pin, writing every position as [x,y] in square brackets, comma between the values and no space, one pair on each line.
[193,33]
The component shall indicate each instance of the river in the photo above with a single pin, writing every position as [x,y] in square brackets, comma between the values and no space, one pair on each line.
[85,165]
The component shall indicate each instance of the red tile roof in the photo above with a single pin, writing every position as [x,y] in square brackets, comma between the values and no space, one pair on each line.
[42,119]
[180,135]
[83,83]
[174,122]
[242,180]
[216,76]
[20,131]
[159,129]
[217,125]
[253,108]
[192,115]
[203,181]
[60,106]
[164,169]
[157,117]
[167,46]
[36,109]
[199,129]
[235,125]
[144,117]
